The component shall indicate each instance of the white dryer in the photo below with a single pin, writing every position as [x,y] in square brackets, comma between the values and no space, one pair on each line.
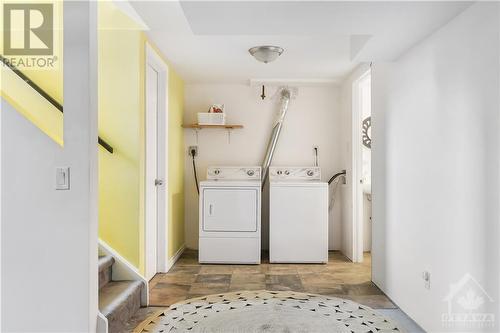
[298,215]
[230,206]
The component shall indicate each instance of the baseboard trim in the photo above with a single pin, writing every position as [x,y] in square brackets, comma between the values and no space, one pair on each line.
[123,270]
[102,323]
[175,257]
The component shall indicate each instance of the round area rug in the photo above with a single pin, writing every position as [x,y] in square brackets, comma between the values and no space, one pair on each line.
[267,311]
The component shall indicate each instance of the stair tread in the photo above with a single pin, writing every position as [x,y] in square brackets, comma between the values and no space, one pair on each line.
[105,262]
[115,293]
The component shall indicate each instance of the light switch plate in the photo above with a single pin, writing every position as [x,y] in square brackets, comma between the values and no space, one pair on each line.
[62,178]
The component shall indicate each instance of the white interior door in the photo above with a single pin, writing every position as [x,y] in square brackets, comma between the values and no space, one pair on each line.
[361,91]
[156,205]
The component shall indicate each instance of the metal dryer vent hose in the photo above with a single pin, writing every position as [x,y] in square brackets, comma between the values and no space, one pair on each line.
[285,95]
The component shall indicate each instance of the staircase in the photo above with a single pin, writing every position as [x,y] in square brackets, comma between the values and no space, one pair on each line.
[118,300]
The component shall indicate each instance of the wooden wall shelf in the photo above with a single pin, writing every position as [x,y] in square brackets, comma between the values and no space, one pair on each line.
[197,126]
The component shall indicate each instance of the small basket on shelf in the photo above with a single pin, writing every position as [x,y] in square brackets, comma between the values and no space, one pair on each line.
[214,116]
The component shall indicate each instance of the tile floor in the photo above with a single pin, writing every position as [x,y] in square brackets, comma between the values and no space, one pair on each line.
[339,278]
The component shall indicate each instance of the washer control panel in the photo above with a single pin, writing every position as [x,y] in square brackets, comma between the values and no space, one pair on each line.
[234,173]
[295,173]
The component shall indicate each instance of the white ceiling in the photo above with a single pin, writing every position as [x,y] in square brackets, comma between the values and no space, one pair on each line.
[208,41]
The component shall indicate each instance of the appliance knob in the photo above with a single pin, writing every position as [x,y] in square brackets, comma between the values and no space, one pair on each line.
[287,172]
[279,172]
[250,173]
[310,173]
[216,171]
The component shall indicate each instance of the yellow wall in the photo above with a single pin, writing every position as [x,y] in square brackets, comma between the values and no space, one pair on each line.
[120,111]
[176,162]
[23,98]
[32,105]
[121,122]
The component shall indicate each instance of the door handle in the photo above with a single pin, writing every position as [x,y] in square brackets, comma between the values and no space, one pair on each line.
[210,210]
[158,182]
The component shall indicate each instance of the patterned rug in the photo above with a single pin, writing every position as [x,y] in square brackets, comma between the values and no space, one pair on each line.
[267,311]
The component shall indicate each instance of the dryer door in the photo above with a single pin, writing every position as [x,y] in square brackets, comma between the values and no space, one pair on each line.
[230,210]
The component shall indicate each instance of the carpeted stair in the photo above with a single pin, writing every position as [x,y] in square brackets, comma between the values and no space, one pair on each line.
[118,300]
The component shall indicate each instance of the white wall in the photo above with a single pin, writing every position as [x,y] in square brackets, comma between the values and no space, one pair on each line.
[49,237]
[313,119]
[435,166]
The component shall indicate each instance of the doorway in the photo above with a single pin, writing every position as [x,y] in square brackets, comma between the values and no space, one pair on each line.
[156,170]
[361,167]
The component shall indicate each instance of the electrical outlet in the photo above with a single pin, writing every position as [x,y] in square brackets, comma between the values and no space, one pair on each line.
[191,149]
[426,276]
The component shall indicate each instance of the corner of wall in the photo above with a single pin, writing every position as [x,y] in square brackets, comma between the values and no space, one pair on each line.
[176,167]
[142,151]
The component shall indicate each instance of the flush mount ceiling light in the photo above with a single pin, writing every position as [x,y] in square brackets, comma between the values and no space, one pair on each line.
[266,53]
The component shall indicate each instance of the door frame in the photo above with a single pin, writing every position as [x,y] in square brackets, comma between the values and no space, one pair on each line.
[357,169]
[161,261]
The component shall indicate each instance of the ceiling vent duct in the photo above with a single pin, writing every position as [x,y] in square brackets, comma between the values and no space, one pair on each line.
[285,94]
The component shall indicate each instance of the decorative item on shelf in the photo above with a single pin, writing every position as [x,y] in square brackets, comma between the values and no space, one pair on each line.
[216,108]
[205,118]
[366,132]
[214,116]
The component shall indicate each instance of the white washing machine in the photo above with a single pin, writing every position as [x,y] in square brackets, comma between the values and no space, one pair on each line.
[230,206]
[298,215]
